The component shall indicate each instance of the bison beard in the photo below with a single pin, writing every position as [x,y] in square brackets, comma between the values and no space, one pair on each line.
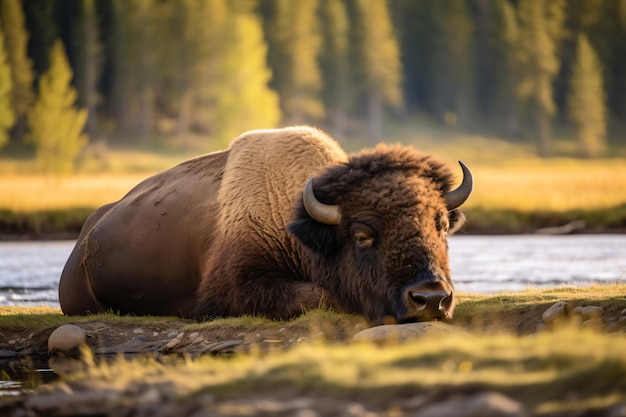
[237,232]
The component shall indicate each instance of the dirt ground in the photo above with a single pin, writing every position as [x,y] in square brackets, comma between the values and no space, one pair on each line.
[167,338]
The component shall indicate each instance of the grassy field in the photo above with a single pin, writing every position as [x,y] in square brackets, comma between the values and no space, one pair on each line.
[550,373]
[512,186]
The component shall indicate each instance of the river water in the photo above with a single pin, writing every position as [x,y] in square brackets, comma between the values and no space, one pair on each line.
[29,271]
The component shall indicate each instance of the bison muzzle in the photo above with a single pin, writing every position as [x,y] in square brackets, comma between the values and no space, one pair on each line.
[281,222]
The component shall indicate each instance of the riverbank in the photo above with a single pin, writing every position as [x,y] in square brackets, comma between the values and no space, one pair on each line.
[66,223]
[500,352]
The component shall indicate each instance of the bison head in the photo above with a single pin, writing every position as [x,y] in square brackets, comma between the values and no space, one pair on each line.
[376,231]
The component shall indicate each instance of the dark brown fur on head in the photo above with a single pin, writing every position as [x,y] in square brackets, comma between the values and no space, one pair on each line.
[392,233]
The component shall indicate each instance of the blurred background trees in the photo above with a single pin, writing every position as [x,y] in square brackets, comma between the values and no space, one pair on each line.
[148,69]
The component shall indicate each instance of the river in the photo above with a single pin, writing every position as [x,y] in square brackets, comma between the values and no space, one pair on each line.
[29,271]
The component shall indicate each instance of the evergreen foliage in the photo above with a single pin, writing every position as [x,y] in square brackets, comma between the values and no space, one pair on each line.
[245,100]
[16,42]
[453,71]
[148,68]
[336,68]
[539,36]
[7,115]
[295,42]
[56,126]
[586,101]
[379,61]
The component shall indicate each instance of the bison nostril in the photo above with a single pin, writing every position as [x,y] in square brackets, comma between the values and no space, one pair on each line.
[419,300]
[426,303]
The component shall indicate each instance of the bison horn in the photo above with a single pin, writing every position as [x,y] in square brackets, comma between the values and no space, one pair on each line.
[458,196]
[323,213]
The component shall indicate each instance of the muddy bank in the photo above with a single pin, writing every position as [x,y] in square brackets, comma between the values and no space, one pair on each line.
[66,224]
[312,366]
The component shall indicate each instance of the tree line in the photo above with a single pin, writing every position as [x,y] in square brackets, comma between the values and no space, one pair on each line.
[75,70]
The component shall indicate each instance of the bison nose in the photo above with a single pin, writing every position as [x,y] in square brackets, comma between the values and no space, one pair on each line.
[428,301]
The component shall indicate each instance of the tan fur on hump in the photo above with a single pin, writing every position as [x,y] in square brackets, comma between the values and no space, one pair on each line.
[266,170]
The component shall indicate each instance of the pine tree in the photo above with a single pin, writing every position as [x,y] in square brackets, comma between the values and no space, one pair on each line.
[244,100]
[202,24]
[7,115]
[507,67]
[335,63]
[295,42]
[88,71]
[541,26]
[453,66]
[56,126]
[16,42]
[586,102]
[380,58]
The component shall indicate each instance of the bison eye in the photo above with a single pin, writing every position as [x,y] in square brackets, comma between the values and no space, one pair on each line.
[363,240]
[363,235]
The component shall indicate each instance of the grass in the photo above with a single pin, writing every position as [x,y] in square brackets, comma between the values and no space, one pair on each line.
[549,372]
[514,189]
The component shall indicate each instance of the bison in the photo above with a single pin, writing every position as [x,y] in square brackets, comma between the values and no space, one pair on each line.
[281,222]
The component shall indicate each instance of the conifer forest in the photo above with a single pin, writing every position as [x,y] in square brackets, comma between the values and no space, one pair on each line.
[76,71]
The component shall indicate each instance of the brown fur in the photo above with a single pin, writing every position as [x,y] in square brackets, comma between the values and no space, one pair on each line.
[225,233]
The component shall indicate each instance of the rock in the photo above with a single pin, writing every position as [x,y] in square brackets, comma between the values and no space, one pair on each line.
[556,314]
[175,342]
[578,310]
[618,411]
[4,354]
[135,345]
[592,312]
[405,331]
[594,323]
[67,340]
[225,346]
[138,330]
[484,404]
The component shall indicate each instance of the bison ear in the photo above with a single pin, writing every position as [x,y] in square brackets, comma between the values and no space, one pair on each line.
[319,237]
[457,220]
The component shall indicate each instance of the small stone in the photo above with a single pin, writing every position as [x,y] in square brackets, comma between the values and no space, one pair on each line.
[138,331]
[193,337]
[12,342]
[175,342]
[593,323]
[484,404]
[172,334]
[591,312]
[4,354]
[578,310]
[67,340]
[555,314]
[405,331]
[618,411]
[305,412]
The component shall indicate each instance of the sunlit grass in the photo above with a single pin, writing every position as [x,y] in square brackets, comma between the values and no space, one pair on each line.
[558,185]
[24,193]
[550,185]
[570,369]
[542,371]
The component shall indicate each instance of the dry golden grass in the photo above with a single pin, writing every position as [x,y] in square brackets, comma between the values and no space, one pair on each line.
[27,192]
[549,185]
[507,176]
